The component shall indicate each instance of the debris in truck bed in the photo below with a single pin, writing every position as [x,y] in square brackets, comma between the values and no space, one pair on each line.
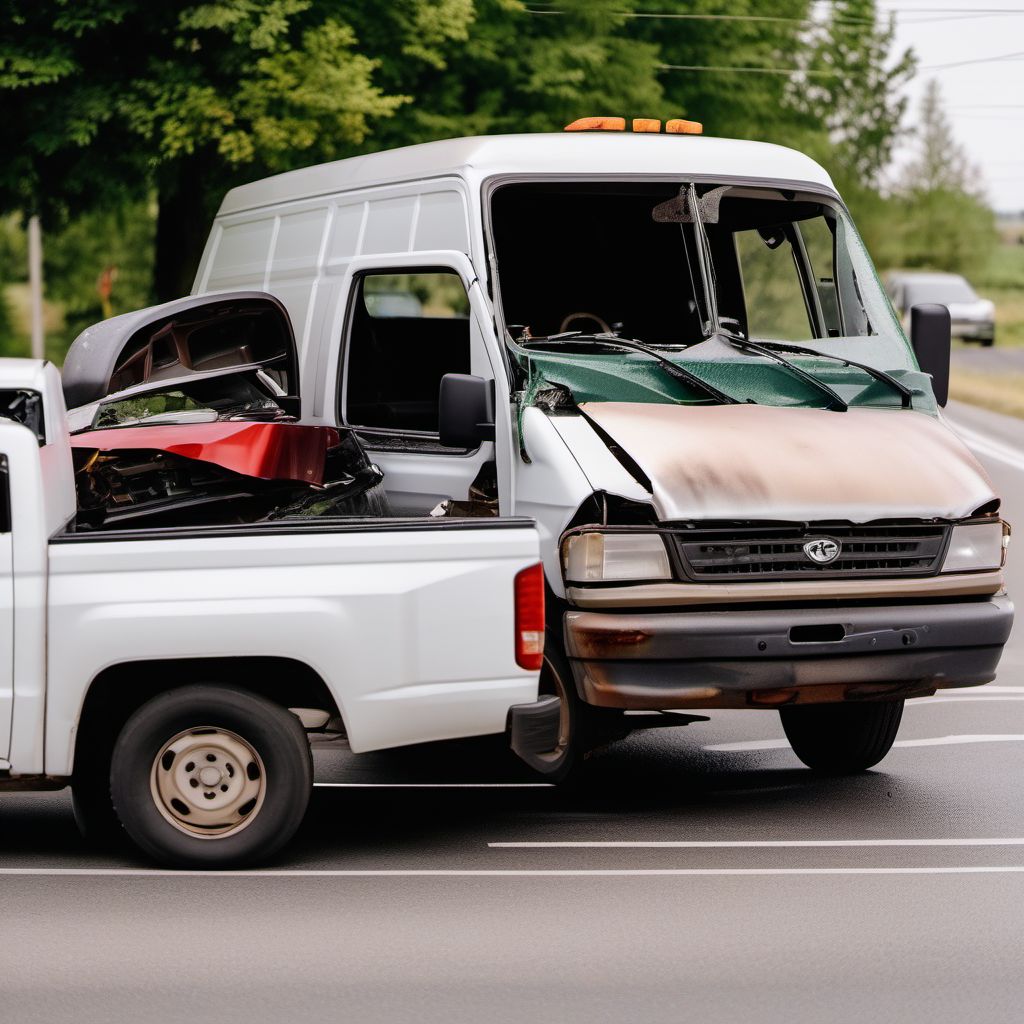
[189,474]
[270,451]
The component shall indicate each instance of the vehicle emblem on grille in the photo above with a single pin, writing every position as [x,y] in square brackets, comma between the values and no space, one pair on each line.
[822,550]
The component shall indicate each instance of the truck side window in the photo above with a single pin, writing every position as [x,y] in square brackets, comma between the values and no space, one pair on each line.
[772,292]
[406,331]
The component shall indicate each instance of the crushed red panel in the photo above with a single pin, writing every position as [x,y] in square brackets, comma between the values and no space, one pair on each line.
[269,451]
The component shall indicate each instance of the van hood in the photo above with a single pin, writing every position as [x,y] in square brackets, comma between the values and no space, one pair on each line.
[757,462]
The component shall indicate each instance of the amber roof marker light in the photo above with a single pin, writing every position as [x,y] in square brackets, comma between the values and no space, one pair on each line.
[639,125]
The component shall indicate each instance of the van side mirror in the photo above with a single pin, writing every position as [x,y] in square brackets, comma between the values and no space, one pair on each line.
[930,339]
[465,415]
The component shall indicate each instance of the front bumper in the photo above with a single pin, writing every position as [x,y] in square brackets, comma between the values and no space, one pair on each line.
[972,330]
[774,656]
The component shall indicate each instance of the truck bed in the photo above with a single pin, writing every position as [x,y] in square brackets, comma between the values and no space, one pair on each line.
[408,621]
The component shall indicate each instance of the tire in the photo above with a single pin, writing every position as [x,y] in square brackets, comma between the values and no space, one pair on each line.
[93,808]
[581,727]
[164,790]
[988,342]
[842,739]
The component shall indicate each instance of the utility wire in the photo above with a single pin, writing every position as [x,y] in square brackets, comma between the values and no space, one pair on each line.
[750,70]
[818,72]
[975,60]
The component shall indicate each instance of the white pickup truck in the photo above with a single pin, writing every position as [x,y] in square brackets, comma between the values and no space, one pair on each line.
[174,674]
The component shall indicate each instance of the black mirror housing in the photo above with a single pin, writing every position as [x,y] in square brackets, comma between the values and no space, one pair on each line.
[465,415]
[930,338]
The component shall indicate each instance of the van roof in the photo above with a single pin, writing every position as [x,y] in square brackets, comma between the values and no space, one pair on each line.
[583,154]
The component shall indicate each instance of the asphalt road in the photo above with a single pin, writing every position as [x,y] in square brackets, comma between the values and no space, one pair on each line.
[700,874]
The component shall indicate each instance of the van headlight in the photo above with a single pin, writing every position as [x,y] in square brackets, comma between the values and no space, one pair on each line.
[599,557]
[976,546]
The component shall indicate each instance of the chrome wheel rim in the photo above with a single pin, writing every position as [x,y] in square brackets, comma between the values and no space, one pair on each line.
[208,782]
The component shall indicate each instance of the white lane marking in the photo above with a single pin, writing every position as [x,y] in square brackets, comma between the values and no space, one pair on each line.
[988,445]
[937,741]
[502,872]
[942,741]
[433,785]
[743,844]
[961,700]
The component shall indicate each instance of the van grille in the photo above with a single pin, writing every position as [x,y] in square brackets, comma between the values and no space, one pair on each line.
[765,553]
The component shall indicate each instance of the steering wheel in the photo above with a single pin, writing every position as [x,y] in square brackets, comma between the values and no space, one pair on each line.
[605,329]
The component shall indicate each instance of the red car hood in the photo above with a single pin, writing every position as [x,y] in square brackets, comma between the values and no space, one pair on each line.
[270,451]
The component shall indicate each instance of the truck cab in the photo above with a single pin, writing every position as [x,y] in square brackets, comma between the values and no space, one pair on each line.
[672,353]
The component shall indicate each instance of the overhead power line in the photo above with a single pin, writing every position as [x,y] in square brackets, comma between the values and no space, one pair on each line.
[749,70]
[975,60]
[957,14]
[944,10]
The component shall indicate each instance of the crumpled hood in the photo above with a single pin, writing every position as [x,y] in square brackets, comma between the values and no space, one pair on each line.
[758,462]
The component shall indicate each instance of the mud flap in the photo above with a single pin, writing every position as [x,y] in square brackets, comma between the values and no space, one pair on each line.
[533,732]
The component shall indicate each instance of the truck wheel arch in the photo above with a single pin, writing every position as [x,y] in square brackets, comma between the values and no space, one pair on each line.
[119,690]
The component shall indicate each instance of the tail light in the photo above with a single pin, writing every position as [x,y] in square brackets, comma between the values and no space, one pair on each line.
[530,617]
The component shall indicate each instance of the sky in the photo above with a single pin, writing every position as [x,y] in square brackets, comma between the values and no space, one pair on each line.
[984,99]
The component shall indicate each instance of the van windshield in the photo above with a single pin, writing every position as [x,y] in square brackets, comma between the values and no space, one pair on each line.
[939,289]
[628,258]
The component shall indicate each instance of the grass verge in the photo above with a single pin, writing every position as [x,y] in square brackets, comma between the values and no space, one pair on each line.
[999,392]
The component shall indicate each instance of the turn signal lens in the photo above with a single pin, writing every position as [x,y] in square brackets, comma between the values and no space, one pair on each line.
[976,546]
[644,125]
[599,557]
[597,124]
[677,126]
[529,588]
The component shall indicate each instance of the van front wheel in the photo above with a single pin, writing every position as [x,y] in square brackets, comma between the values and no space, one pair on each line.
[581,728]
[842,739]
[211,777]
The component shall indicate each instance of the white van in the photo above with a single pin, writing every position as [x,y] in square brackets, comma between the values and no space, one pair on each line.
[673,353]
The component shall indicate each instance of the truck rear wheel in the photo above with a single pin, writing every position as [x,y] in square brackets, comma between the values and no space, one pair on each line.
[90,800]
[211,777]
[842,739]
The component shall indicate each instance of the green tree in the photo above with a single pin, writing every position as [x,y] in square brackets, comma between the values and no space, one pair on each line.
[853,91]
[706,52]
[944,222]
[112,99]
[519,68]
[117,240]
[110,104]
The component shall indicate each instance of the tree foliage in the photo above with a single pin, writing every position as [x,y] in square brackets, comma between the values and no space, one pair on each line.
[112,108]
[940,216]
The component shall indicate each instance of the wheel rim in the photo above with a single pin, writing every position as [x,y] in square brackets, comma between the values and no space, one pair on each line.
[208,782]
[552,683]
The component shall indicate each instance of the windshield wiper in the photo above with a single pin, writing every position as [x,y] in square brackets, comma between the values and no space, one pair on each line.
[906,395]
[836,404]
[674,370]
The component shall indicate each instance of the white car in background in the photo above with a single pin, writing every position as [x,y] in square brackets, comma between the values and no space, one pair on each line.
[971,318]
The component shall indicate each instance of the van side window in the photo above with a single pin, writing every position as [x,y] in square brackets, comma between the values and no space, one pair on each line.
[773,295]
[406,331]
